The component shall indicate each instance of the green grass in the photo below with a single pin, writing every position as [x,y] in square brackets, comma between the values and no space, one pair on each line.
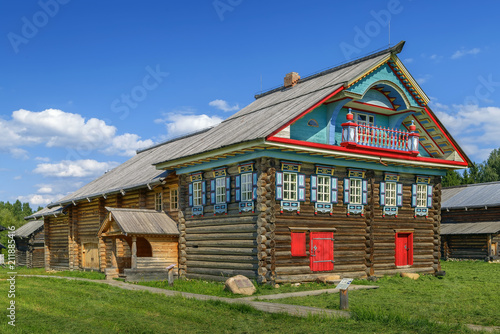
[41,271]
[468,294]
[217,288]
[45,305]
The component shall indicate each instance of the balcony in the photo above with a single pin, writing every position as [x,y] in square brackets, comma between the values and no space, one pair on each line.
[379,138]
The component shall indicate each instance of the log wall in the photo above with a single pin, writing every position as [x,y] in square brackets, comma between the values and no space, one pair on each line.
[30,251]
[56,242]
[259,245]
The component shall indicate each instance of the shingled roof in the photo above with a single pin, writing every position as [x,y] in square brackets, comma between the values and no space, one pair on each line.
[29,228]
[471,196]
[134,173]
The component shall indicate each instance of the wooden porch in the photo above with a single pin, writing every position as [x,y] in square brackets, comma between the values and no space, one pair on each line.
[138,245]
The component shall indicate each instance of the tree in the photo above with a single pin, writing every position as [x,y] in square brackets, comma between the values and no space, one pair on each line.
[452,178]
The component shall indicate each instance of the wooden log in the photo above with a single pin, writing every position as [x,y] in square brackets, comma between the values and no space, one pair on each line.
[221,251]
[222,265]
[222,272]
[222,229]
[222,236]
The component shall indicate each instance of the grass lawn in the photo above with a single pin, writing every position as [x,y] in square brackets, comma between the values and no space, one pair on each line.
[468,294]
[58,306]
[41,271]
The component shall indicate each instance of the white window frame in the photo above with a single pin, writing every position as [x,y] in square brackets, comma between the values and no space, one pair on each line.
[159,201]
[368,117]
[220,190]
[356,191]
[174,199]
[290,189]
[324,189]
[246,187]
[197,193]
[421,195]
[390,193]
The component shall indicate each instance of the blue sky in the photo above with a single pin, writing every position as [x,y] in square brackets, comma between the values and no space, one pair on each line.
[83,84]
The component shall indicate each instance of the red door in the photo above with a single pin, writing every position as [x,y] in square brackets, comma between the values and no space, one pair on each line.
[321,251]
[404,249]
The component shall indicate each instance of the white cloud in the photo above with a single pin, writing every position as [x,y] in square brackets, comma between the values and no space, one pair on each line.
[462,52]
[45,189]
[408,60]
[184,122]
[19,153]
[77,168]
[56,128]
[223,105]
[18,177]
[42,159]
[476,128]
[423,79]
[40,200]
[127,144]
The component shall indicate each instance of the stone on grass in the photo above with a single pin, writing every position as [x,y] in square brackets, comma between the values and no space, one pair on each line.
[328,279]
[240,285]
[410,275]
[276,286]
[296,284]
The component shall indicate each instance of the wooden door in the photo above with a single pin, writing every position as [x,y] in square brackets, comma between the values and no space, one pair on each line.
[91,256]
[404,249]
[321,251]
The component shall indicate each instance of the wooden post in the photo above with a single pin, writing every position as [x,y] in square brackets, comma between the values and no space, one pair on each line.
[114,264]
[344,300]
[134,253]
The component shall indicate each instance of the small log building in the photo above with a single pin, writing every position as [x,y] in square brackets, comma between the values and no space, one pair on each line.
[30,245]
[339,172]
[470,226]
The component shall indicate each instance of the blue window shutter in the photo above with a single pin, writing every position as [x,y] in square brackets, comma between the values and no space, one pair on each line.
[314,188]
[414,195]
[237,183]
[382,193]
[364,197]
[203,192]
[228,189]
[347,191]
[301,187]
[399,194]
[279,185]
[429,196]
[190,193]
[212,191]
[335,190]
[254,186]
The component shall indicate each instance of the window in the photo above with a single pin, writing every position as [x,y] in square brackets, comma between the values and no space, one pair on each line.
[421,195]
[174,199]
[355,191]
[158,202]
[246,187]
[390,193]
[324,189]
[220,189]
[364,119]
[290,186]
[197,193]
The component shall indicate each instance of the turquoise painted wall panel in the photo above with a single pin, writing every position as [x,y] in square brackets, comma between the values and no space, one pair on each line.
[301,131]
[376,98]
[384,72]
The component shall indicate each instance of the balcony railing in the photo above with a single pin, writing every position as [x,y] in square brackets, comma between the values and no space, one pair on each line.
[354,135]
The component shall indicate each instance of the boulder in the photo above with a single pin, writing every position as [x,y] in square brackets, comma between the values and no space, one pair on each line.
[328,278]
[240,285]
[410,275]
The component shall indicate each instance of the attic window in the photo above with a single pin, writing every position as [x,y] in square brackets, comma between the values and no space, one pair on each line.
[313,122]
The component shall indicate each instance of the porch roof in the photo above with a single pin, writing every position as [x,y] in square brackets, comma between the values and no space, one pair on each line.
[140,222]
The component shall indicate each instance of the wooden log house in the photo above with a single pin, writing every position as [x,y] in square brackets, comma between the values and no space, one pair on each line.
[339,172]
[470,226]
[29,240]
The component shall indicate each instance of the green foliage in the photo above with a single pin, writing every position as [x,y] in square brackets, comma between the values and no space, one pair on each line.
[13,215]
[487,171]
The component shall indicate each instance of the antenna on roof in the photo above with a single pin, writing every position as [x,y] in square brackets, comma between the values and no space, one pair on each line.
[261,83]
[389,32]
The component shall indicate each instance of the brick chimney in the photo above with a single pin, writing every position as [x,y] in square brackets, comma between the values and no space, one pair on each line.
[291,79]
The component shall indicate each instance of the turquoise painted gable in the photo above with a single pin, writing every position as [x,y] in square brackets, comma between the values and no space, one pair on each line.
[301,130]
[383,73]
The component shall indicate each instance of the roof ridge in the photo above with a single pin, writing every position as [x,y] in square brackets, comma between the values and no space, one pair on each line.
[175,139]
[393,49]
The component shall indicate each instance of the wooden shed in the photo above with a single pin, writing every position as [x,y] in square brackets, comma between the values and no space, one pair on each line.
[470,227]
[143,244]
[30,245]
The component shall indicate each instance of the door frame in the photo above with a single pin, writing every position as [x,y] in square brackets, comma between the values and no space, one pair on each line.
[409,255]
